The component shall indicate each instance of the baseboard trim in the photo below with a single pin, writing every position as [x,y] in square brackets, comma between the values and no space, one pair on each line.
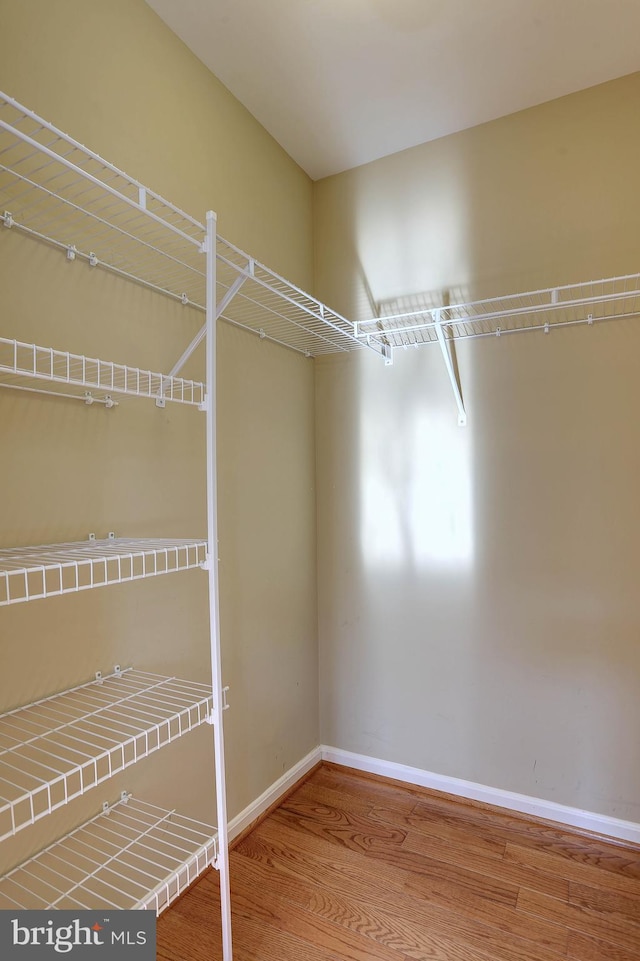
[273,794]
[536,807]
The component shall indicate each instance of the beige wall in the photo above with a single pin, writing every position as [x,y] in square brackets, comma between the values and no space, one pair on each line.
[478,587]
[478,612]
[115,78]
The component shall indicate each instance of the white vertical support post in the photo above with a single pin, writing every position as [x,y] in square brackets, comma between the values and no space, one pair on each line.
[444,347]
[214,607]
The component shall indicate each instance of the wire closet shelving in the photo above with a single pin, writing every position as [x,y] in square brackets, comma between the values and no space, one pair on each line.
[58,748]
[54,189]
[613,298]
[57,191]
[31,573]
[42,368]
[132,855]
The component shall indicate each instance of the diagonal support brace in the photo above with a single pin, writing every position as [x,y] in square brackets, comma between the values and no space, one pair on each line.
[220,308]
[448,362]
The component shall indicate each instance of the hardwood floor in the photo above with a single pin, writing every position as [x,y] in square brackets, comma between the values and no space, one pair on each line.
[351,868]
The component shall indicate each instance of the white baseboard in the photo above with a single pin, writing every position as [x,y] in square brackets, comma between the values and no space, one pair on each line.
[277,790]
[537,807]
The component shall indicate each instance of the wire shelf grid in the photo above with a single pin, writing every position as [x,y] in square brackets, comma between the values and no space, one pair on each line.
[58,748]
[613,298]
[132,856]
[26,363]
[270,306]
[30,573]
[57,190]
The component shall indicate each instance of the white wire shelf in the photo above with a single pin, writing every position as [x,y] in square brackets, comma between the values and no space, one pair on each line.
[56,189]
[613,298]
[58,748]
[29,365]
[255,298]
[133,855]
[30,573]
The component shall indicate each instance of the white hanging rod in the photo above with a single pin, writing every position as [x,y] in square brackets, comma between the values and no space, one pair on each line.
[97,219]
[62,746]
[590,321]
[133,855]
[74,252]
[88,399]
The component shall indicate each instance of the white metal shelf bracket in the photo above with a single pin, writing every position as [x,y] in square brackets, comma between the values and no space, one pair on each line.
[211,717]
[197,340]
[445,347]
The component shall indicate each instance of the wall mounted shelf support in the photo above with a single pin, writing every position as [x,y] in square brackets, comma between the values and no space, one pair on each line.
[200,336]
[447,354]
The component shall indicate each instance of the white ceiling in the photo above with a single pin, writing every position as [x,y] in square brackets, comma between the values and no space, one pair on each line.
[342,82]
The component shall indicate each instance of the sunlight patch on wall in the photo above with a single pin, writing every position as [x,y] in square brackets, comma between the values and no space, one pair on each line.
[416,503]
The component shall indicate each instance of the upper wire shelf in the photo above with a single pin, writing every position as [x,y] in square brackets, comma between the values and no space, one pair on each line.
[59,191]
[58,748]
[56,189]
[585,303]
[27,364]
[255,298]
[132,856]
[30,573]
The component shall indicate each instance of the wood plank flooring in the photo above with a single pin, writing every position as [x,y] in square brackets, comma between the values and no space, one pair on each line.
[352,868]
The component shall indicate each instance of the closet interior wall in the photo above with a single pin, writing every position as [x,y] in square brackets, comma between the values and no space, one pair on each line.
[477,586]
[158,113]
[495,644]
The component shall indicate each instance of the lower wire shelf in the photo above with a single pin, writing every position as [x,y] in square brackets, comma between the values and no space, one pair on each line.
[59,748]
[133,855]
